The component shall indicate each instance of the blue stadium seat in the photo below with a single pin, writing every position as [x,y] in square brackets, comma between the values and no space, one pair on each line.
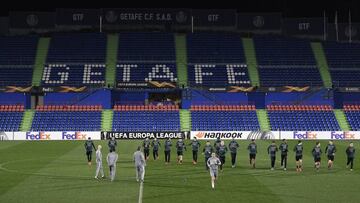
[17,58]
[352,113]
[286,61]
[11,117]
[145,119]
[67,118]
[224,118]
[343,61]
[302,118]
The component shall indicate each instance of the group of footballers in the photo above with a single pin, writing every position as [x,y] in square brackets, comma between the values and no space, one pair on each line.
[215,155]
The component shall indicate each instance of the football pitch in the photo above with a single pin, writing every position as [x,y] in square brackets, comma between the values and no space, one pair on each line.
[57,171]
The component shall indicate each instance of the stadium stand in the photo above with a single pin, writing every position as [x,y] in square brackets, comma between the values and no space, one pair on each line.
[67,118]
[352,113]
[11,117]
[302,117]
[145,57]
[286,61]
[224,117]
[17,58]
[146,118]
[343,61]
[76,59]
[216,60]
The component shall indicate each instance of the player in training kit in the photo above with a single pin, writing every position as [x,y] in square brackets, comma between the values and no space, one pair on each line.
[99,166]
[180,146]
[167,150]
[217,146]
[252,152]
[213,164]
[207,151]
[298,149]
[112,144]
[272,149]
[195,144]
[146,145]
[317,155]
[155,145]
[89,145]
[350,152]
[330,151]
[284,150]
[222,154]
[140,163]
[233,146]
[111,159]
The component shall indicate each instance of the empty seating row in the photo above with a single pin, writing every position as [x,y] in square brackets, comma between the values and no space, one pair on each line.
[299,108]
[222,108]
[351,107]
[146,108]
[18,50]
[215,48]
[220,120]
[300,117]
[146,121]
[58,120]
[77,48]
[69,108]
[141,47]
[11,107]
[10,120]
[343,61]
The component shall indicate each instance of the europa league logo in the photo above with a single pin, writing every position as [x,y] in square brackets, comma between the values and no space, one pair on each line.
[263,135]
[181,17]
[32,20]
[111,16]
[258,21]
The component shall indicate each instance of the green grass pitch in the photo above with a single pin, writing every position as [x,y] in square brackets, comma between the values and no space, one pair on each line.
[57,171]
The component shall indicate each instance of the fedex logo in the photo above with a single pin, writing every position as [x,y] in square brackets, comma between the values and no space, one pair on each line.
[342,135]
[302,135]
[73,136]
[37,136]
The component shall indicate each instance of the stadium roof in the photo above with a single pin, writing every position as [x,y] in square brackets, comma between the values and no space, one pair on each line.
[304,8]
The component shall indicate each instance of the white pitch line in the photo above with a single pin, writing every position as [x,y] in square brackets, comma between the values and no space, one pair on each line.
[141,192]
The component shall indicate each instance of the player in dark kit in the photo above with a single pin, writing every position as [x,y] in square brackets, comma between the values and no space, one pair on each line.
[208,149]
[180,147]
[112,144]
[89,146]
[284,150]
[252,152]
[167,150]
[217,146]
[155,145]
[317,155]
[195,144]
[272,149]
[233,146]
[222,154]
[330,151]
[350,152]
[298,149]
[146,145]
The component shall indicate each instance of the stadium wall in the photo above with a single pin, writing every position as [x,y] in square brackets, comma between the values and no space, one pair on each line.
[322,97]
[98,97]
[341,98]
[15,98]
